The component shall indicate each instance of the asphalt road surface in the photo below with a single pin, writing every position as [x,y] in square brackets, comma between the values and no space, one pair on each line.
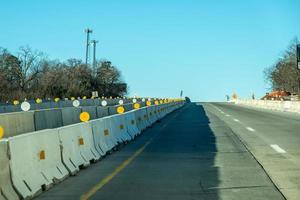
[203,151]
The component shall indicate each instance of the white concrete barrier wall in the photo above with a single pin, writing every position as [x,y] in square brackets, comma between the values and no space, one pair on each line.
[70,115]
[287,106]
[78,148]
[42,158]
[119,129]
[151,115]
[102,134]
[112,110]
[131,124]
[6,188]
[92,110]
[35,161]
[102,111]
[17,123]
[145,117]
[46,119]
[139,120]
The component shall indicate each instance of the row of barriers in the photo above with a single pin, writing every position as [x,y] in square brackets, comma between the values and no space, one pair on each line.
[286,106]
[62,104]
[32,163]
[17,123]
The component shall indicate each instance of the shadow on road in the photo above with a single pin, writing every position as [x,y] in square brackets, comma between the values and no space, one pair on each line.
[179,163]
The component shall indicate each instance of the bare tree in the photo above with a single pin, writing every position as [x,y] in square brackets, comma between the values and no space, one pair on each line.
[283,75]
[28,69]
[30,74]
[109,80]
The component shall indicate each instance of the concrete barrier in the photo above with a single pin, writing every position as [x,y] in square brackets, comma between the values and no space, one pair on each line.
[119,129]
[158,112]
[47,119]
[78,149]
[12,108]
[2,109]
[6,189]
[103,138]
[92,110]
[65,103]
[70,115]
[112,110]
[35,161]
[86,102]
[144,117]
[151,114]
[17,123]
[97,102]
[102,111]
[128,107]
[54,104]
[139,119]
[131,124]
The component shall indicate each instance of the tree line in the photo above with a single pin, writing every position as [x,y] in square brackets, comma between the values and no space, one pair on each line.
[30,74]
[284,75]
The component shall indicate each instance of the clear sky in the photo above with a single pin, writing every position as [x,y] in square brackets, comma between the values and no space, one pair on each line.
[205,48]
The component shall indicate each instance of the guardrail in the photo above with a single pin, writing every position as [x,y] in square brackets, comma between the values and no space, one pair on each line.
[32,163]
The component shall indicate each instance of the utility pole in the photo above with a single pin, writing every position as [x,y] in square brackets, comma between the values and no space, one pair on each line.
[298,67]
[88,32]
[94,56]
[298,56]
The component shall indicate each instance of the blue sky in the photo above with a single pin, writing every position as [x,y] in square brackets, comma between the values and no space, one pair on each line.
[205,48]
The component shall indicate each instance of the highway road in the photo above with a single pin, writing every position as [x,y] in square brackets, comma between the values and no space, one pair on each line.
[202,151]
[273,137]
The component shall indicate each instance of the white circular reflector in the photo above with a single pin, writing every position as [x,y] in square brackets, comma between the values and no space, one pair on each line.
[76,103]
[25,106]
[104,103]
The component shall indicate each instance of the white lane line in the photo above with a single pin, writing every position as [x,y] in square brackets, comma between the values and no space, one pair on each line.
[277,148]
[236,120]
[250,129]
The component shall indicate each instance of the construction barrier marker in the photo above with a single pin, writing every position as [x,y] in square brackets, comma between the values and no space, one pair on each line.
[121,102]
[84,116]
[148,103]
[38,100]
[120,110]
[16,102]
[106,132]
[104,103]
[42,155]
[76,103]
[136,106]
[25,106]
[1,132]
[81,141]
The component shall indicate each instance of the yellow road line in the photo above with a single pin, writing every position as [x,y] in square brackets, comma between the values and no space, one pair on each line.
[108,178]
